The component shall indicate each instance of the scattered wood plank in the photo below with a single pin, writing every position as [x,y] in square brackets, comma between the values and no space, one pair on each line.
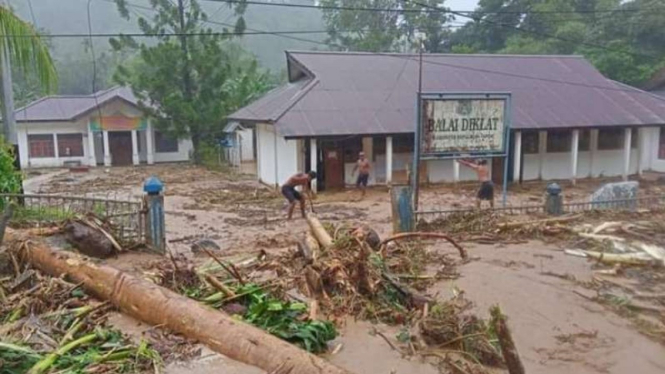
[512,225]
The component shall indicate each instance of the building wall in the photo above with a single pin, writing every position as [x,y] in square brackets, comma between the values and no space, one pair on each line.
[652,138]
[247,145]
[278,157]
[23,129]
[185,148]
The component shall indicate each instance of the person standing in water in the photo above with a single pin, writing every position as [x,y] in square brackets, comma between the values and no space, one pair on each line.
[363,167]
[486,190]
[292,195]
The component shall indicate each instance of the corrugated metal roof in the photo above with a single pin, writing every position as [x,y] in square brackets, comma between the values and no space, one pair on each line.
[364,93]
[69,107]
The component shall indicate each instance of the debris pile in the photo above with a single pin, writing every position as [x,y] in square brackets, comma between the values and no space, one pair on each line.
[50,325]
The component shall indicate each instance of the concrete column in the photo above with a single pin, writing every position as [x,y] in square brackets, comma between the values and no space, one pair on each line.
[542,152]
[149,144]
[389,160]
[626,152]
[107,149]
[456,171]
[135,147]
[641,156]
[55,146]
[574,153]
[593,148]
[313,159]
[92,158]
[517,155]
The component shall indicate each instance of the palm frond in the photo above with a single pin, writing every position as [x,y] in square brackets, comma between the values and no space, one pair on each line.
[26,49]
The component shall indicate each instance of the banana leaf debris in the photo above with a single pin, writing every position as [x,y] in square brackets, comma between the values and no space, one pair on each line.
[51,325]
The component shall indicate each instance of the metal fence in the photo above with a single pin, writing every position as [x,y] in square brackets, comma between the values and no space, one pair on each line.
[647,202]
[126,218]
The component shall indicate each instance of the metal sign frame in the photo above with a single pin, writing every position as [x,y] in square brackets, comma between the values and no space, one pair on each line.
[505,152]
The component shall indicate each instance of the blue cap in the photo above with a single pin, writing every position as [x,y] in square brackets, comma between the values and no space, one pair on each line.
[553,188]
[153,185]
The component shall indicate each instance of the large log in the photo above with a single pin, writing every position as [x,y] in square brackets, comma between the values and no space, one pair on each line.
[158,306]
[319,231]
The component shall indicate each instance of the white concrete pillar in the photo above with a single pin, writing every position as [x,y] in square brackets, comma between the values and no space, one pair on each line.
[456,171]
[574,153]
[517,155]
[107,149]
[55,146]
[593,148]
[92,158]
[389,160]
[642,156]
[626,152]
[135,147]
[542,152]
[313,159]
[149,144]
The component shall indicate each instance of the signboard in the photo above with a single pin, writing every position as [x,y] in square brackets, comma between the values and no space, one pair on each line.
[461,125]
[118,123]
[453,125]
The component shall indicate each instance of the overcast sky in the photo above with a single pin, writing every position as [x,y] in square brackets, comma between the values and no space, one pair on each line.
[461,4]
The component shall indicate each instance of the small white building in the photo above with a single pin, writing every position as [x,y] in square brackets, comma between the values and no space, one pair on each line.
[568,121]
[107,128]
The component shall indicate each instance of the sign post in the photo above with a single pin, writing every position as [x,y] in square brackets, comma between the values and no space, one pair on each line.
[462,125]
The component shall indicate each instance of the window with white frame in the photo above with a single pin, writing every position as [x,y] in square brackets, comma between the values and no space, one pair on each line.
[530,142]
[70,145]
[41,146]
[165,143]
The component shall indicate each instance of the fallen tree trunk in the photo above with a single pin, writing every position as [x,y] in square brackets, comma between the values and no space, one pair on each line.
[158,306]
[319,232]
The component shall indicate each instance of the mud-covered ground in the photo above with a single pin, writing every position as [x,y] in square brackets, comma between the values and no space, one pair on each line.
[557,325]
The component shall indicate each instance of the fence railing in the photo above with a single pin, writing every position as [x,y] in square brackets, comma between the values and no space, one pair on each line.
[647,202]
[126,217]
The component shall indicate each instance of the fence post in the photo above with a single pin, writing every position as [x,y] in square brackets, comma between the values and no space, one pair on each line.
[155,224]
[554,201]
[402,209]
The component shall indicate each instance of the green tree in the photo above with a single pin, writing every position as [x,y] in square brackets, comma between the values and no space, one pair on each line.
[358,30]
[423,19]
[188,86]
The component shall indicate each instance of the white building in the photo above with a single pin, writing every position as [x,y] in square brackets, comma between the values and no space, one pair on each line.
[106,128]
[568,120]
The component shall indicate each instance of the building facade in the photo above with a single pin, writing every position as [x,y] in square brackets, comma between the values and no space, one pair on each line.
[107,128]
[568,121]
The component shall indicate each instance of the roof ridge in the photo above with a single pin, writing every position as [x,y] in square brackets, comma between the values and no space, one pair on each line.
[360,53]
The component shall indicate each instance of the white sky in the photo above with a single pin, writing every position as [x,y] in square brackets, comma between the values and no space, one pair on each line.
[461,4]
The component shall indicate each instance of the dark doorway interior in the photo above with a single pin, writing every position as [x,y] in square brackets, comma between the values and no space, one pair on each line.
[120,145]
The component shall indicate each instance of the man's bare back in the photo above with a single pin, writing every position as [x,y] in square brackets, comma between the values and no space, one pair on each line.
[300,179]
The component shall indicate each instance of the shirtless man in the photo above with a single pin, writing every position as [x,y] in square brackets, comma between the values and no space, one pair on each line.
[486,191]
[289,190]
[362,166]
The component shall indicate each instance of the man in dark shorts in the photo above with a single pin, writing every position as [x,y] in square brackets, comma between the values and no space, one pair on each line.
[292,195]
[363,167]
[486,191]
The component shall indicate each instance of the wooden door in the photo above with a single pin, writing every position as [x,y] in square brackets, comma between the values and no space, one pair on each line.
[497,170]
[334,168]
[120,145]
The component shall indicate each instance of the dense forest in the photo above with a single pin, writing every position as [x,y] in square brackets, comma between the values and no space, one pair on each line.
[624,39]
